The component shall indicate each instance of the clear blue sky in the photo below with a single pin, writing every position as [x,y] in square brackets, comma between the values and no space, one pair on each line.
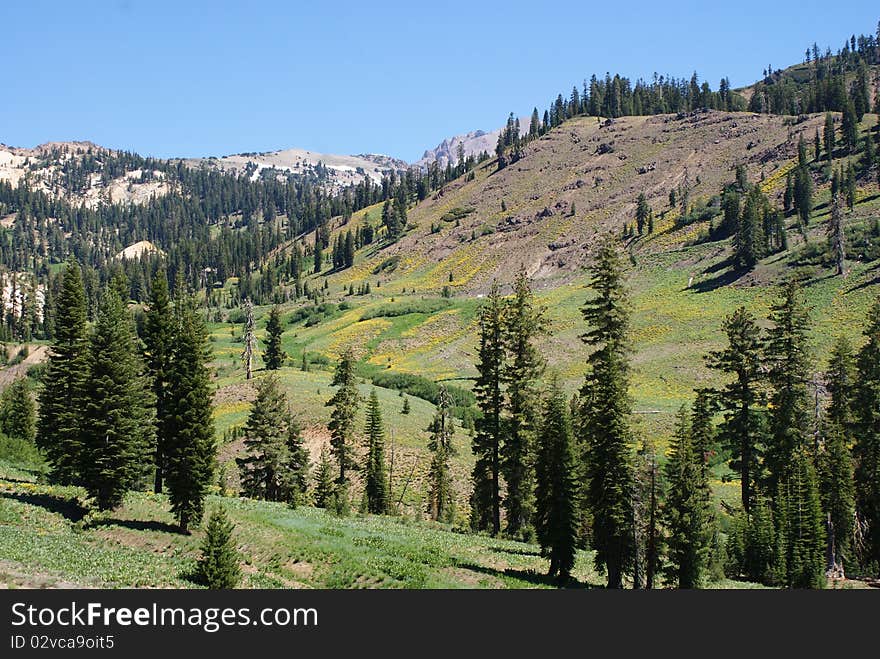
[210,78]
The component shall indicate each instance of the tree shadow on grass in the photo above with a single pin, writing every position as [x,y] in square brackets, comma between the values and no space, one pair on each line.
[814,281]
[35,475]
[516,551]
[529,576]
[70,508]
[136,525]
[868,282]
[724,278]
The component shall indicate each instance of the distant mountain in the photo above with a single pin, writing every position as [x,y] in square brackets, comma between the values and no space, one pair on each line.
[50,168]
[340,170]
[474,142]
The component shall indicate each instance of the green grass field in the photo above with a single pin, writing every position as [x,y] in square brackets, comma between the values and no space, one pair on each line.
[48,539]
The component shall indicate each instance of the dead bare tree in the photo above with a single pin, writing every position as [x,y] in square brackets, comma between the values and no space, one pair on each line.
[250,340]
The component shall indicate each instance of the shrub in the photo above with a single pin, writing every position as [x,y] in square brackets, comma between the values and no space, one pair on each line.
[21,452]
[463,401]
[456,214]
[388,265]
[424,306]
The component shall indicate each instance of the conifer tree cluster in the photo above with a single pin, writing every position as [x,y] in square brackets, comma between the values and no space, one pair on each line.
[800,479]
[276,464]
[509,368]
[110,417]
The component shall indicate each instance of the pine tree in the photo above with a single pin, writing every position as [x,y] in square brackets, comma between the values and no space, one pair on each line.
[191,451]
[605,428]
[556,518]
[318,257]
[488,389]
[349,249]
[218,567]
[687,511]
[836,235]
[159,343]
[18,416]
[788,195]
[800,523]
[524,324]
[829,136]
[442,428]
[406,407]
[345,404]
[117,417]
[749,240]
[376,476]
[296,467]
[788,360]
[803,193]
[743,427]
[274,355]
[324,480]
[849,127]
[250,339]
[835,463]
[263,468]
[850,186]
[866,411]
[643,211]
[62,398]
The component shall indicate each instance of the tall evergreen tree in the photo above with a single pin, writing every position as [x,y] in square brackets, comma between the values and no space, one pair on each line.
[835,463]
[442,428]
[803,193]
[318,257]
[788,360]
[265,465]
[606,407]
[836,235]
[118,424]
[296,468]
[324,480]
[524,324]
[687,510]
[488,389]
[274,354]
[849,127]
[749,240]
[18,415]
[349,249]
[159,343]
[829,136]
[643,212]
[191,451]
[799,523]
[345,404]
[556,518]
[743,426]
[375,480]
[62,398]
[866,411]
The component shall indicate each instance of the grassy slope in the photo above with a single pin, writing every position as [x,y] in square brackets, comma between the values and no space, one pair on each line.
[48,540]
